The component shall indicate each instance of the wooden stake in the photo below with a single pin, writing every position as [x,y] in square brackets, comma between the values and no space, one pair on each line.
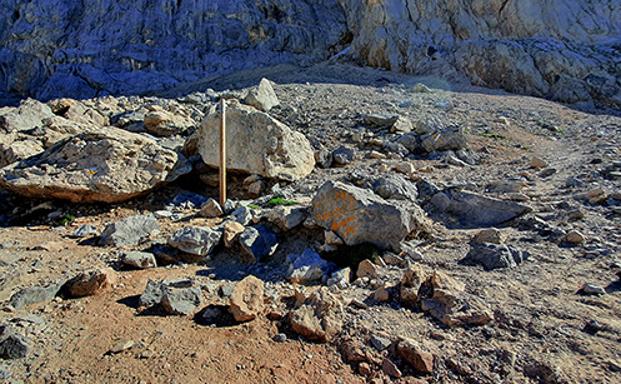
[222,152]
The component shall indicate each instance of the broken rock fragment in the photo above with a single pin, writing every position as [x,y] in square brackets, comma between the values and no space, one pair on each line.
[258,242]
[415,356]
[445,299]
[461,209]
[319,318]
[12,345]
[172,297]
[198,241]
[139,260]
[87,284]
[494,256]
[263,97]
[131,230]
[307,267]
[246,301]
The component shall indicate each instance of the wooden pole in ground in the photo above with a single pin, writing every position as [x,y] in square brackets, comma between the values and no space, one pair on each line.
[222,152]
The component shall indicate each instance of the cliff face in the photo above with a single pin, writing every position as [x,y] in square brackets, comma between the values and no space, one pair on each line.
[78,48]
[567,50]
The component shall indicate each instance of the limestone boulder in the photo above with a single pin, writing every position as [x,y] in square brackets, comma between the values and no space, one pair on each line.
[256,144]
[359,216]
[109,166]
[263,97]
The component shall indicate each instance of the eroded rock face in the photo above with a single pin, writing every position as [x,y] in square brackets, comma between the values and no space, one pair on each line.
[77,49]
[558,49]
[256,144]
[110,166]
[561,49]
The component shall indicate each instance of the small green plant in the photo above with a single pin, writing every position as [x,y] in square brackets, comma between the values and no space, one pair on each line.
[67,219]
[253,206]
[276,201]
[493,135]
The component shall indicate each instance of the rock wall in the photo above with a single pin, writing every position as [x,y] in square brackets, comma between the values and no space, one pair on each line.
[78,48]
[567,50]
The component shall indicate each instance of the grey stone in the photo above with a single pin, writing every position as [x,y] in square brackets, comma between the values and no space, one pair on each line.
[195,240]
[381,121]
[12,345]
[258,242]
[286,218]
[395,187]
[211,209]
[173,297]
[139,260]
[280,338]
[409,251]
[359,216]
[449,138]
[323,158]
[494,256]
[340,278]
[85,230]
[243,215]
[470,210]
[379,342]
[109,165]
[33,295]
[163,123]
[308,267]
[592,289]
[343,155]
[131,230]
[263,97]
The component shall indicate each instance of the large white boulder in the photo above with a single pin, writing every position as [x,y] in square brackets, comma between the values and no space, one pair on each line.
[256,144]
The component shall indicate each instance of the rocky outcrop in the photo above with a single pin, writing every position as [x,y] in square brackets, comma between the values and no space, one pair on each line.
[110,166]
[257,144]
[80,49]
[562,49]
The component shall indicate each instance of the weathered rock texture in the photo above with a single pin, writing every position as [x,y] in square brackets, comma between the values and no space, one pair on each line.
[257,144]
[51,48]
[563,49]
[358,216]
[110,166]
[566,50]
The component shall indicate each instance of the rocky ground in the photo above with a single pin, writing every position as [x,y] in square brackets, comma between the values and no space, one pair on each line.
[378,230]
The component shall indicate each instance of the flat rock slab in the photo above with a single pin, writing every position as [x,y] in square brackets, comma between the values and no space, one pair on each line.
[108,166]
[460,209]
